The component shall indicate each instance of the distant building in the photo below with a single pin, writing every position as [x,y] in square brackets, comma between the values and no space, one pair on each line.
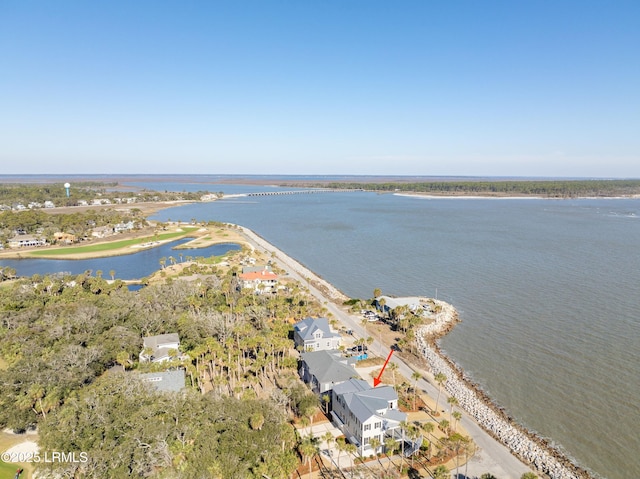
[22,241]
[157,349]
[122,227]
[415,304]
[102,231]
[64,238]
[314,334]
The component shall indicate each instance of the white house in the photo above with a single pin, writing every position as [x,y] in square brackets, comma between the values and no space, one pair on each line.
[122,227]
[314,334]
[157,349]
[363,413]
[21,241]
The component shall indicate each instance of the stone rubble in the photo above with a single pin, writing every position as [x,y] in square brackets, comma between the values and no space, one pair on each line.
[529,448]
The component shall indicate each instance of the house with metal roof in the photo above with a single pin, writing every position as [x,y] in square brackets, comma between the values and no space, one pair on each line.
[157,349]
[315,334]
[166,381]
[363,413]
[323,370]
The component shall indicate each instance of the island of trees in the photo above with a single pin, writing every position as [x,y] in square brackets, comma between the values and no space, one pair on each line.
[537,188]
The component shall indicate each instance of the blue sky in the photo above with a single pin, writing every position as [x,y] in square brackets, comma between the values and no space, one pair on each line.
[480,88]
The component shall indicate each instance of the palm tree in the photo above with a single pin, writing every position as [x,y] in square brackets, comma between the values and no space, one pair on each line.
[452,402]
[528,475]
[458,440]
[390,447]
[382,304]
[468,447]
[413,435]
[112,273]
[393,367]
[351,451]
[325,400]
[375,445]
[404,425]
[308,448]
[441,472]
[440,378]
[416,376]
[341,445]
[427,427]
[457,415]
[444,425]
[328,439]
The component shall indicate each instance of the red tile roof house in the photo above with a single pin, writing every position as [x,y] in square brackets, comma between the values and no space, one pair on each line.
[263,281]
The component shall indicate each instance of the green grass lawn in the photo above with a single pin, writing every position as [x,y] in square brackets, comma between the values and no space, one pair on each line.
[112,245]
[8,471]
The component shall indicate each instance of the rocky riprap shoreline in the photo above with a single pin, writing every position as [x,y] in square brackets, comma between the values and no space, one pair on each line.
[529,447]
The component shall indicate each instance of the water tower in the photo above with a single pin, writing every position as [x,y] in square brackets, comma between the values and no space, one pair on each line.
[66,187]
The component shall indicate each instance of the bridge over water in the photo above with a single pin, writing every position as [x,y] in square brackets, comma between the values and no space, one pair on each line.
[302,192]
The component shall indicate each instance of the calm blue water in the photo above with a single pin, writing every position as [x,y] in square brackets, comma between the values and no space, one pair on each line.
[130,266]
[547,289]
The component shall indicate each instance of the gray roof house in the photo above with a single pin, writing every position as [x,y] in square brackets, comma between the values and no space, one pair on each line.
[157,349]
[323,370]
[363,413]
[314,334]
[166,381]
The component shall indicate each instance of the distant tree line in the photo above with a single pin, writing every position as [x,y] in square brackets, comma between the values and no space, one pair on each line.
[17,193]
[549,189]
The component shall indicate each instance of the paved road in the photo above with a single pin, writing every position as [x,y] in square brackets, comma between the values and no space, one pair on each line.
[492,456]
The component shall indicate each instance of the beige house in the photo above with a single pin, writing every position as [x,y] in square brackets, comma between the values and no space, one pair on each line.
[22,241]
